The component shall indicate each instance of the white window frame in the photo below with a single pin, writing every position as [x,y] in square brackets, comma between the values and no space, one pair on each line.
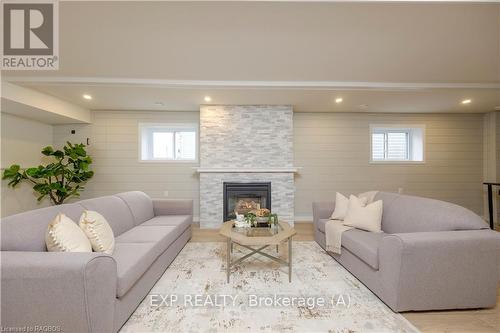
[165,127]
[415,156]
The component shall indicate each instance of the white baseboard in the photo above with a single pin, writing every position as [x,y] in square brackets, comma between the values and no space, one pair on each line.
[303,218]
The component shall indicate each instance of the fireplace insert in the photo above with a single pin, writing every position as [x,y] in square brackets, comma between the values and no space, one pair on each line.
[242,198]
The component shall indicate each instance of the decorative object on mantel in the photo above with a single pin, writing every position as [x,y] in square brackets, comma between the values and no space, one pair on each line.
[60,179]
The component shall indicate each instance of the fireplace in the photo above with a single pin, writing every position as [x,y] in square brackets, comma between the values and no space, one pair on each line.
[245,197]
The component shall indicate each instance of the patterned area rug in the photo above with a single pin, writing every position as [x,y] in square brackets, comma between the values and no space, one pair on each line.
[193,296]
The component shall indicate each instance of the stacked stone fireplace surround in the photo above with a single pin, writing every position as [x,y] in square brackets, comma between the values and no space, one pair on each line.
[245,144]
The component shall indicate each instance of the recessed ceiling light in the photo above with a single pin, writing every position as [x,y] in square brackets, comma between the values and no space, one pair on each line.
[338,100]
[87,96]
[207,99]
[466,101]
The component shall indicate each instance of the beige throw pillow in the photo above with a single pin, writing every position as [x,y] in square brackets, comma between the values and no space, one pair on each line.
[342,206]
[367,217]
[370,196]
[63,235]
[97,229]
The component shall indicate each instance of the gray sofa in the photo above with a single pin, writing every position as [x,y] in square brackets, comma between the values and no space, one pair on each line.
[431,255]
[89,292]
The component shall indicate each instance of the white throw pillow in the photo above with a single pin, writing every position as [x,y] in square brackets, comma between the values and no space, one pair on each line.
[97,229]
[63,235]
[370,196]
[341,206]
[367,218]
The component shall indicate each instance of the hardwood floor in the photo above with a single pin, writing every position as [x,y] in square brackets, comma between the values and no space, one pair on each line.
[466,321]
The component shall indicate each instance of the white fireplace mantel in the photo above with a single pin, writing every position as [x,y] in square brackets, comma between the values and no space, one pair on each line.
[247,170]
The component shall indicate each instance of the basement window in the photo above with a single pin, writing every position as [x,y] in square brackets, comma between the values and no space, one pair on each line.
[397,143]
[168,142]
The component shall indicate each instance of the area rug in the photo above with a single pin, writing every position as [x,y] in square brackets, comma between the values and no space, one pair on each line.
[193,296]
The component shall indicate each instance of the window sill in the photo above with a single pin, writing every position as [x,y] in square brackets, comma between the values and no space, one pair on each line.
[170,161]
[398,162]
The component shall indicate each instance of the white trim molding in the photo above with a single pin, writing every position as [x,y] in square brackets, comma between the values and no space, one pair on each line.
[189,84]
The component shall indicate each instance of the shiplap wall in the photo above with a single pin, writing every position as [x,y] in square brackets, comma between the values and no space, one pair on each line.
[21,143]
[333,149]
[114,148]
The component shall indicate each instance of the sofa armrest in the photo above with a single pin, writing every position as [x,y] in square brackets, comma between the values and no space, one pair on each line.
[173,207]
[74,292]
[322,210]
[431,270]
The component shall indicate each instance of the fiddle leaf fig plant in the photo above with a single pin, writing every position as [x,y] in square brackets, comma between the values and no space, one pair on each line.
[59,180]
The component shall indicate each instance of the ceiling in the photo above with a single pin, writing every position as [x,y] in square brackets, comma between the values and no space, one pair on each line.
[136,97]
[34,113]
[391,57]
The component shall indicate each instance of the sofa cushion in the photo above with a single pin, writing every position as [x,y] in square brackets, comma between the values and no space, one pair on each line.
[405,213]
[26,231]
[132,260]
[147,234]
[363,244]
[137,249]
[182,221]
[114,210]
[140,204]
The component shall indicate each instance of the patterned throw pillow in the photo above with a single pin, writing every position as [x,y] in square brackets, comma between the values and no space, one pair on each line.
[63,235]
[98,231]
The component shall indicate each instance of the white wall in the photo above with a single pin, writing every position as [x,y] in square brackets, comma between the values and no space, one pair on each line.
[21,143]
[114,149]
[334,151]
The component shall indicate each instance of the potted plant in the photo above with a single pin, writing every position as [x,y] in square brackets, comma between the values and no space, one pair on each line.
[273,220]
[59,180]
[250,219]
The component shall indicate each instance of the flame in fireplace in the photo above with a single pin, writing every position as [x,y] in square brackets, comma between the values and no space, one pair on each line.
[246,205]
